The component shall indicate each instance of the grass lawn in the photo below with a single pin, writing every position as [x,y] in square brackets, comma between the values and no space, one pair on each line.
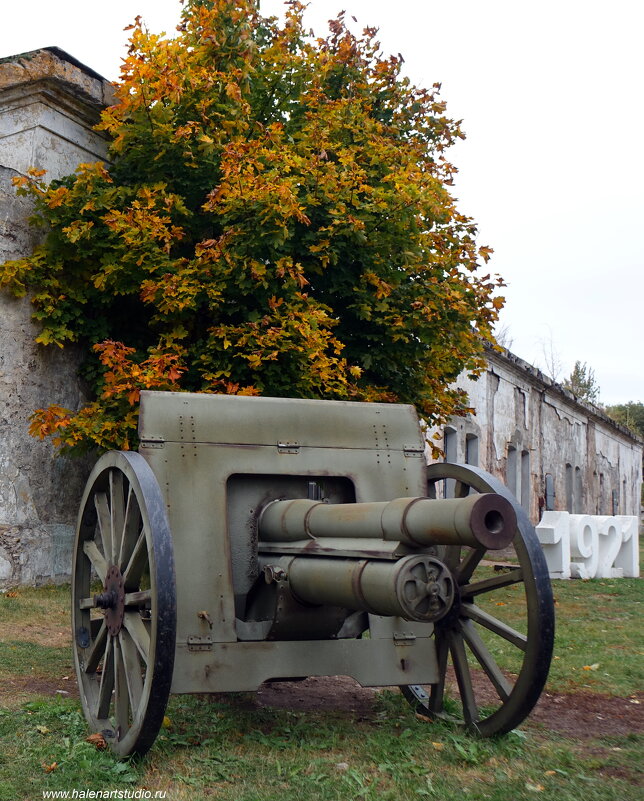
[585,742]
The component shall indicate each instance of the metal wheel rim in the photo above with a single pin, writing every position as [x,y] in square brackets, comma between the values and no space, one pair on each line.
[124,678]
[517,701]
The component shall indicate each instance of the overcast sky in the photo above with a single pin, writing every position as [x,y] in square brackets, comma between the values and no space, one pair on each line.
[551,98]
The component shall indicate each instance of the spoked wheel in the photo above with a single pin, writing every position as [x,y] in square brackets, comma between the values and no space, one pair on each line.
[499,634]
[123,603]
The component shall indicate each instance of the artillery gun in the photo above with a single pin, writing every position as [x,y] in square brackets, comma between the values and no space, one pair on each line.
[266,539]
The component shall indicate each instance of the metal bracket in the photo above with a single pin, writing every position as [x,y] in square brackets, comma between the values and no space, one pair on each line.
[152,443]
[403,638]
[413,451]
[195,643]
[288,446]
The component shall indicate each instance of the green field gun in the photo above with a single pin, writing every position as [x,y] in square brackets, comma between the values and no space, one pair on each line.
[270,539]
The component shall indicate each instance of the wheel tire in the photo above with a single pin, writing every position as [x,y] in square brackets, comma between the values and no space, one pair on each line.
[515,689]
[124,633]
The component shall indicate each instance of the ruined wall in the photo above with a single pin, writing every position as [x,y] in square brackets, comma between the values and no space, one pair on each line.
[48,105]
[551,450]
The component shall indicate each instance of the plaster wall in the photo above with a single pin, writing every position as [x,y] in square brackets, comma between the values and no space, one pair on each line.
[553,451]
[48,106]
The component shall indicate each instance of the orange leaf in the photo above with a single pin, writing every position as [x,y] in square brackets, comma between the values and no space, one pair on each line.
[97,740]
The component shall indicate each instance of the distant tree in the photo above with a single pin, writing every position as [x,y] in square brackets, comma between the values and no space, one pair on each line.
[551,358]
[581,382]
[504,337]
[629,414]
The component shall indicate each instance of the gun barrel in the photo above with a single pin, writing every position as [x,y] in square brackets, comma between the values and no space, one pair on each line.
[485,520]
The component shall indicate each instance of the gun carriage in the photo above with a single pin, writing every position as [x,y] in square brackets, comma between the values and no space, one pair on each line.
[263,539]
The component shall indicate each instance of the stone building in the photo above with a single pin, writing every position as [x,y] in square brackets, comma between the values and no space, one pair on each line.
[49,104]
[554,452]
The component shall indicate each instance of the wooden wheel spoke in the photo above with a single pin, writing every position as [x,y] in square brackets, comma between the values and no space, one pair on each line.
[463,572]
[438,690]
[463,677]
[486,660]
[137,630]
[98,649]
[495,625]
[496,582]
[452,557]
[90,549]
[132,667]
[137,564]
[461,489]
[107,683]
[117,512]
[131,528]
[104,525]
[138,598]
[121,693]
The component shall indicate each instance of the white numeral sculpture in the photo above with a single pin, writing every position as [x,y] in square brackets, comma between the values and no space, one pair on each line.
[554,536]
[589,546]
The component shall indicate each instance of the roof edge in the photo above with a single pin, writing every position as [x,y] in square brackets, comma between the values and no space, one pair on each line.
[511,359]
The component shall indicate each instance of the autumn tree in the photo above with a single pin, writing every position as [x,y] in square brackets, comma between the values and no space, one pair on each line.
[275,219]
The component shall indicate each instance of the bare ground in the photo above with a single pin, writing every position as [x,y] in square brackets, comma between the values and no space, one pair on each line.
[575,715]
[579,716]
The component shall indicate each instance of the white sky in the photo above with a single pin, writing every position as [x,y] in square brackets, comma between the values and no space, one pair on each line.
[551,95]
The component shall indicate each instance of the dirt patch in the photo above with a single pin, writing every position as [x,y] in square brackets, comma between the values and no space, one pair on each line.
[16,690]
[335,694]
[580,716]
[584,716]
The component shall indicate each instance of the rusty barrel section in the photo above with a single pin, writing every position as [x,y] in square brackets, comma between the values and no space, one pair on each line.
[481,521]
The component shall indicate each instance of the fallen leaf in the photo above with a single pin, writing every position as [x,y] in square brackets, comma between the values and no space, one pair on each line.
[550,773]
[534,788]
[49,768]
[167,723]
[42,729]
[420,716]
[591,667]
[11,594]
[97,740]
[438,746]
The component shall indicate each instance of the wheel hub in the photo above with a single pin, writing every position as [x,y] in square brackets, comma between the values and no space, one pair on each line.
[112,600]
